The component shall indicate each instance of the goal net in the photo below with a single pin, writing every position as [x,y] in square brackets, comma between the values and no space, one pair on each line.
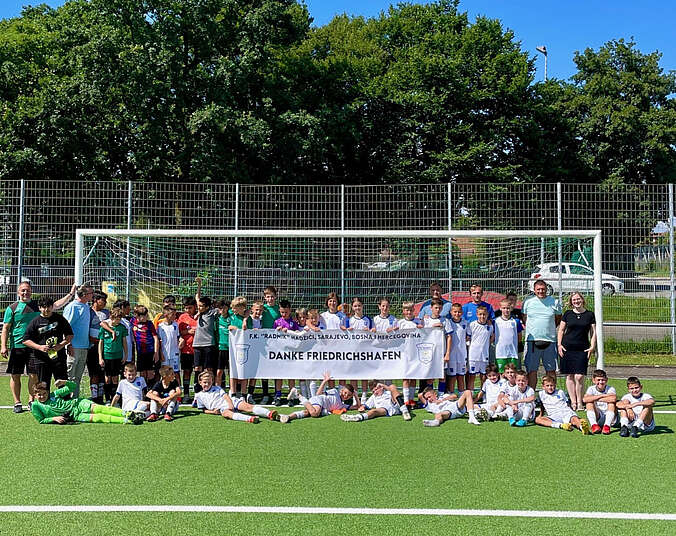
[145,265]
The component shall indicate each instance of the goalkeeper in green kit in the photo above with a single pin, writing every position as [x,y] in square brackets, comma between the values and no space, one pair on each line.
[59,408]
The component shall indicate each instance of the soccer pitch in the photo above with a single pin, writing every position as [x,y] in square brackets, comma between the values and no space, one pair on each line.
[203,461]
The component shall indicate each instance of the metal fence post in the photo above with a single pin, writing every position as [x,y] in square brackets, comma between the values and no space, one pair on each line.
[19,269]
[130,190]
[236,281]
[559,223]
[672,296]
[450,244]
[342,241]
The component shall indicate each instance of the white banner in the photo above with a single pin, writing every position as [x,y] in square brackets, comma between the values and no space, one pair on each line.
[353,355]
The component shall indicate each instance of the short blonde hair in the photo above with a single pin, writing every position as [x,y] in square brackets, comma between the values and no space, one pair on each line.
[238,301]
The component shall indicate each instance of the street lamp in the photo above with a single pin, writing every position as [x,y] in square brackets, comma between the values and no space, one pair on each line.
[543,50]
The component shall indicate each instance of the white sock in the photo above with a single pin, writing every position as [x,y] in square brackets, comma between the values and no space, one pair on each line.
[526,411]
[304,389]
[171,406]
[509,410]
[471,412]
[591,417]
[555,425]
[432,422]
[610,417]
[302,399]
[154,407]
[624,421]
[261,411]
[299,414]
[240,417]
[313,388]
[363,417]
[639,424]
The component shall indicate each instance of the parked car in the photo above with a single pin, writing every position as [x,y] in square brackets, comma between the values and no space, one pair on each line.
[574,277]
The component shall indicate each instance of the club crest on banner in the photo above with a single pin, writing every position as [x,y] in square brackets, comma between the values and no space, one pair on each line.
[242,353]
[425,352]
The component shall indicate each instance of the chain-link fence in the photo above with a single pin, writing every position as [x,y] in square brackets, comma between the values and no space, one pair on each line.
[39,220]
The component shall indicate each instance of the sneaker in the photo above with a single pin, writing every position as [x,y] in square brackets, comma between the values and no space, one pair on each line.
[595,429]
[194,403]
[521,423]
[633,431]
[605,430]
[406,414]
[272,415]
[584,426]
[473,420]
[168,417]
[187,401]
[566,426]
[18,408]
[431,422]
[250,399]
[482,414]
[624,431]
[265,401]
[137,417]
[512,421]
[152,417]
[284,418]
[253,419]
[277,401]
[350,418]
[30,405]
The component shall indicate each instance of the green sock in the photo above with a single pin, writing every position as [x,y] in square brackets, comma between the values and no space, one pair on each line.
[113,419]
[107,410]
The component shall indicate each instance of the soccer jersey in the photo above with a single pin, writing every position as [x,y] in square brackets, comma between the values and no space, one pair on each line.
[429,322]
[360,324]
[330,400]
[402,323]
[469,311]
[514,393]
[168,334]
[185,323]
[162,390]
[632,400]
[507,337]
[459,342]
[270,314]
[593,391]
[480,341]
[19,315]
[131,392]
[491,390]
[541,313]
[113,348]
[384,323]
[289,324]
[144,336]
[41,329]
[214,398]
[384,401]
[57,404]
[555,403]
[256,323]
[328,320]
[206,330]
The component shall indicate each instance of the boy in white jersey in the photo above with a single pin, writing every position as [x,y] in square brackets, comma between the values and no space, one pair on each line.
[480,335]
[491,390]
[358,321]
[385,401]
[507,336]
[408,322]
[636,410]
[324,402]
[555,404]
[384,322]
[448,407]
[131,390]
[600,401]
[435,320]
[215,401]
[167,331]
[519,400]
[457,362]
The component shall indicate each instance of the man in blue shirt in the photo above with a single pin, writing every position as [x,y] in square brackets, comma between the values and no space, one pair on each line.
[469,309]
[78,313]
[435,292]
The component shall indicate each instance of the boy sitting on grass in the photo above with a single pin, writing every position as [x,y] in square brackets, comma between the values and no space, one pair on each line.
[164,395]
[600,401]
[385,401]
[636,410]
[59,408]
[555,404]
[215,401]
[131,390]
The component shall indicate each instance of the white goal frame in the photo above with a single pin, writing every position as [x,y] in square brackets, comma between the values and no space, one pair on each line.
[80,235]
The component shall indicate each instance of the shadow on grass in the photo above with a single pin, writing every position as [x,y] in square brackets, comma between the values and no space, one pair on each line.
[660,430]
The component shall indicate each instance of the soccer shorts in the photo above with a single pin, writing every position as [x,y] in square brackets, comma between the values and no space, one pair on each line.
[455,411]
[18,360]
[477,367]
[111,367]
[391,409]
[206,357]
[129,404]
[145,361]
[236,401]
[223,360]
[172,362]
[646,427]
[540,352]
[502,361]
[563,415]
[457,366]
[93,362]
[187,361]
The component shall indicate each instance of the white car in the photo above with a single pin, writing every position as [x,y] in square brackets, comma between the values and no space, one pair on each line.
[574,277]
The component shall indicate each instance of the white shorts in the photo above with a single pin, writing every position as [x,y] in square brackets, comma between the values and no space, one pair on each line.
[477,367]
[455,411]
[457,366]
[236,401]
[135,405]
[173,362]
[320,401]
[391,409]
[563,416]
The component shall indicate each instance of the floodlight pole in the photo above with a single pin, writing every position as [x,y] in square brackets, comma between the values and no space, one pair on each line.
[543,50]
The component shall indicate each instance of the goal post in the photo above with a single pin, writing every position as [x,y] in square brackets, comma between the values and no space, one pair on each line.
[362,262]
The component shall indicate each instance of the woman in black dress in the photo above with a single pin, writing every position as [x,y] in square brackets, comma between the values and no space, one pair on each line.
[575,347]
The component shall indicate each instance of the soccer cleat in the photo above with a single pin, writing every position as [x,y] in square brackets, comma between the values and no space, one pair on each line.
[521,423]
[152,417]
[30,405]
[605,430]
[633,431]
[265,401]
[566,426]
[482,414]
[253,419]
[272,415]
[18,408]
[595,429]
[350,418]
[406,414]
[584,426]
[168,417]
[512,421]
[431,422]
[137,417]
[624,431]
[277,401]
[473,420]
[284,419]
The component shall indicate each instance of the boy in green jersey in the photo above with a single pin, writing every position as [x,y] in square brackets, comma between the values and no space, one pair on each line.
[59,408]
[112,350]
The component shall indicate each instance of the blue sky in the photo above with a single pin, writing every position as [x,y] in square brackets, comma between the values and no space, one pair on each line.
[563,26]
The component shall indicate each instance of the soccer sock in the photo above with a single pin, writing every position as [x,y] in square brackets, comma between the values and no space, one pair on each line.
[363,399]
[402,404]
[304,391]
[299,414]
[186,388]
[302,399]
[240,417]
[107,410]
[591,417]
[95,417]
[102,389]
[639,424]
[313,388]
[278,394]
[261,411]
[555,425]
[171,406]
[266,387]
[250,389]
[94,388]
[526,411]
[624,421]
[442,386]
[610,417]
[509,411]
[363,416]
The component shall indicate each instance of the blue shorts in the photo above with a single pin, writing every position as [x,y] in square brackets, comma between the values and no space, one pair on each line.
[536,354]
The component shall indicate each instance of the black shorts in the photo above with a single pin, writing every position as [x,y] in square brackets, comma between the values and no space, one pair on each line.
[111,367]
[206,357]
[18,360]
[45,369]
[93,362]
[187,361]
[145,361]
[224,360]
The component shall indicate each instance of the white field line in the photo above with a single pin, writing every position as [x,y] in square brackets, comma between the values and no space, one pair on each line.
[337,511]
